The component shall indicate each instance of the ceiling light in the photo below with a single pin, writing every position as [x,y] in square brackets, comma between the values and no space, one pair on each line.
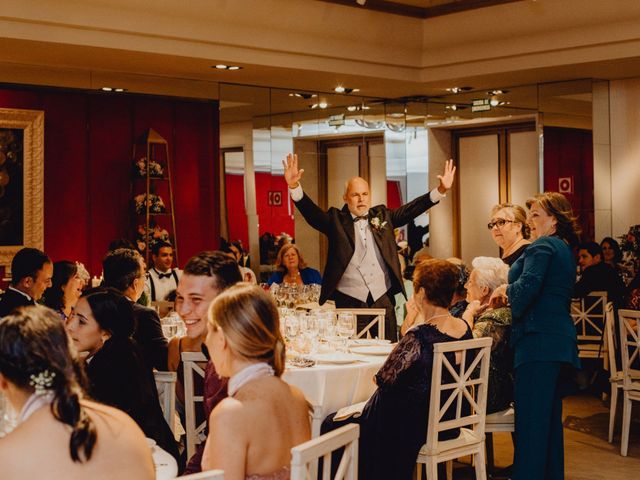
[497,92]
[306,96]
[222,66]
[458,89]
[361,2]
[347,90]
[339,89]
[352,108]
[494,102]
[113,89]
[323,105]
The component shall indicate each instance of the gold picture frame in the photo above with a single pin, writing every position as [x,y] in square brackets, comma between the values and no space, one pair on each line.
[27,127]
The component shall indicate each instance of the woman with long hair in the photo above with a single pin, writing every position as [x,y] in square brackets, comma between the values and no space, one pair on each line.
[101,326]
[66,288]
[59,433]
[252,431]
[542,335]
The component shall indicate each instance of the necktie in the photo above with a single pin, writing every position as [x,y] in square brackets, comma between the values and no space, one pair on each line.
[361,217]
[164,275]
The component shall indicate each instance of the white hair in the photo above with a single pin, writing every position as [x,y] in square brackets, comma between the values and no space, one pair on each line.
[491,272]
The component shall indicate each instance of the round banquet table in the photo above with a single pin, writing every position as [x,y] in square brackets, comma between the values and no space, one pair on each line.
[329,387]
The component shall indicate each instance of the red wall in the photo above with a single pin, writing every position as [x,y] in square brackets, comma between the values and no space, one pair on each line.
[568,152]
[88,161]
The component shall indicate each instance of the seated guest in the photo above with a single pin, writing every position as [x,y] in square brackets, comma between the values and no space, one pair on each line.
[597,276]
[632,298]
[291,268]
[409,314]
[253,430]
[66,288]
[612,255]
[234,250]
[59,434]
[393,424]
[101,326]
[124,271]
[459,301]
[31,272]
[162,278]
[488,274]
[508,227]
[205,276]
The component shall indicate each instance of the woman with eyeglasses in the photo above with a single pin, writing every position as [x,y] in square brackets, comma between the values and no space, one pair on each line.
[508,227]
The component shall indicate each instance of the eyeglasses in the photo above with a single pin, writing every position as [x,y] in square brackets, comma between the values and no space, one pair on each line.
[498,223]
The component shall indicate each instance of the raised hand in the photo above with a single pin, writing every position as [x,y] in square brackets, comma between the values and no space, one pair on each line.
[291,173]
[446,179]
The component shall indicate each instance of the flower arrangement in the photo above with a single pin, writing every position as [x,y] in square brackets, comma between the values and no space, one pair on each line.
[155,169]
[630,246]
[154,233]
[378,223]
[155,203]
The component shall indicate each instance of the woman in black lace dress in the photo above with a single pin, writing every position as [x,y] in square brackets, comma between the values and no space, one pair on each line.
[393,424]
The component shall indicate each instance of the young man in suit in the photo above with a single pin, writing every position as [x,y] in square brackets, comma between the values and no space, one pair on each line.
[124,270]
[31,272]
[161,277]
[363,270]
[597,276]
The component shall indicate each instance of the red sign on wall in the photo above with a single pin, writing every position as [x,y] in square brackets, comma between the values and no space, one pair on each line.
[275,198]
[565,184]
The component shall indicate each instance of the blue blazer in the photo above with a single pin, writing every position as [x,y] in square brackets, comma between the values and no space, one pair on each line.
[540,288]
[308,275]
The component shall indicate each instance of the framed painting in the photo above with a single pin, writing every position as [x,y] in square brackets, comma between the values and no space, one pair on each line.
[21,181]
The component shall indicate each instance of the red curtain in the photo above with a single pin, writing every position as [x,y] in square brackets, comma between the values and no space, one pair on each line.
[88,161]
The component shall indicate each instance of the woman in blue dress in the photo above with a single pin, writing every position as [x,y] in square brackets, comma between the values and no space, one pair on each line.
[291,268]
[543,335]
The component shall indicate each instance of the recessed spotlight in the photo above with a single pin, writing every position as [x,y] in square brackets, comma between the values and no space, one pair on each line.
[494,102]
[455,107]
[339,89]
[497,92]
[221,66]
[458,89]
[352,108]
[347,90]
[323,104]
[306,96]
[234,67]
[113,89]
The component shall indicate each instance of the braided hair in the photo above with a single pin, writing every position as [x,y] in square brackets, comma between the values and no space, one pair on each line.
[33,342]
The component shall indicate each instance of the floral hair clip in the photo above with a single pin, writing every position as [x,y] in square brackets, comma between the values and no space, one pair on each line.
[42,381]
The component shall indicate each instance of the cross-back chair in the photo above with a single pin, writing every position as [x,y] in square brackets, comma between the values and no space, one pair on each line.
[589,315]
[378,315]
[457,390]
[195,433]
[166,386]
[630,350]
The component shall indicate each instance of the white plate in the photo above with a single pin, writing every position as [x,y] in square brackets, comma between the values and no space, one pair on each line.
[335,358]
[370,341]
[372,349]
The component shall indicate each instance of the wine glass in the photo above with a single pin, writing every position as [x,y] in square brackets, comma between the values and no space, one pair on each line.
[346,326]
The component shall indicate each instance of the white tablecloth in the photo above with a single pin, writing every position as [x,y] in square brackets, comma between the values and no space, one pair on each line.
[329,387]
[166,465]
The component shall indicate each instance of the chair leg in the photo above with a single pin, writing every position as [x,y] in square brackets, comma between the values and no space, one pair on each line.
[418,471]
[488,441]
[612,410]
[626,423]
[449,467]
[480,466]
[432,469]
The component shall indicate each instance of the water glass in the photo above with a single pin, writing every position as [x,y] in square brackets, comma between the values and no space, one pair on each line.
[346,327]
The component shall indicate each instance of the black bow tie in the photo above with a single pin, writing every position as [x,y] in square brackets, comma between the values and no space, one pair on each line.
[163,275]
[361,217]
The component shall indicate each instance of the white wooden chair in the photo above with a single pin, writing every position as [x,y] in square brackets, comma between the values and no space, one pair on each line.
[615,374]
[378,314]
[468,386]
[209,475]
[166,386]
[195,433]
[503,421]
[589,318]
[304,457]
[630,349]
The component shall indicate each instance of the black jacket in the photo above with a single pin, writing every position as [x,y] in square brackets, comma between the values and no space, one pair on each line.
[12,300]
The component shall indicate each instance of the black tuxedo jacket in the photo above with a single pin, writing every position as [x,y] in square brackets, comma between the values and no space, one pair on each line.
[148,335]
[601,277]
[337,225]
[12,300]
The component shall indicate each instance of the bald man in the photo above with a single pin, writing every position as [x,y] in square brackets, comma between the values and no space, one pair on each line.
[362,269]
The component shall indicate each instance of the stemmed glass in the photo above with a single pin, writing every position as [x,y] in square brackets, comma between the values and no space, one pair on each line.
[346,327]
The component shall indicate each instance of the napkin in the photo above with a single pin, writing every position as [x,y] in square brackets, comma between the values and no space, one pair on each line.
[354,410]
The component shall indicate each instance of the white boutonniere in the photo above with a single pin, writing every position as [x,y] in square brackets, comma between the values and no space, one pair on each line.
[377,223]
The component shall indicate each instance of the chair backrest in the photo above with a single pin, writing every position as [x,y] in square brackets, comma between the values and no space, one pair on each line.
[304,457]
[166,386]
[611,338]
[190,365]
[378,314]
[209,475]
[588,315]
[630,347]
[458,390]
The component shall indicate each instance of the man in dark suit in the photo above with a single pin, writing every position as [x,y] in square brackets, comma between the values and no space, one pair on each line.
[598,276]
[363,270]
[31,272]
[124,270]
